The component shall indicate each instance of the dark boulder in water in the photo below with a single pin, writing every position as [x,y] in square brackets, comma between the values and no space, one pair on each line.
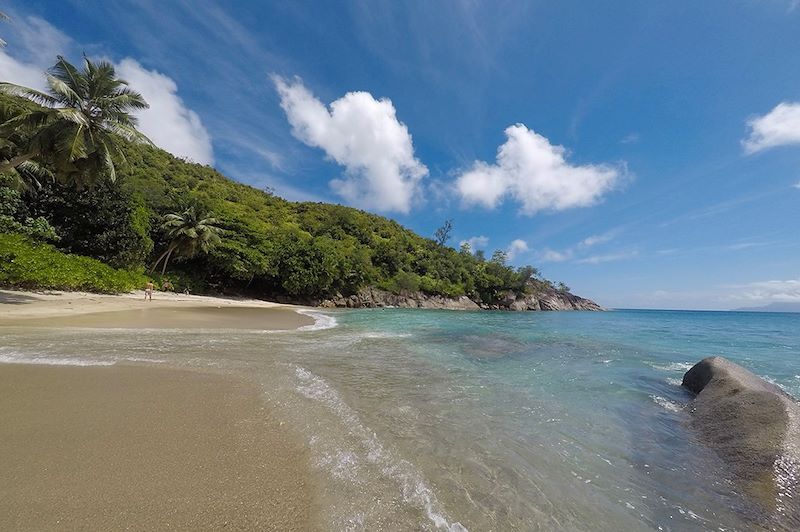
[753,425]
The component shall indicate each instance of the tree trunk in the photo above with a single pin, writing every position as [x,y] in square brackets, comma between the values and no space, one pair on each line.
[153,267]
[12,163]
[164,269]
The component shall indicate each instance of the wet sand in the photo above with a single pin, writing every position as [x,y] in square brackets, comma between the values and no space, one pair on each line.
[177,318]
[127,447]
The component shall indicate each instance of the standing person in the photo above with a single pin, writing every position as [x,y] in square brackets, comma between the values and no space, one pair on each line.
[148,290]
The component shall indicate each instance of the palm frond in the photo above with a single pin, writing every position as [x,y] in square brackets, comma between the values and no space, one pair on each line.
[65,94]
[12,89]
[128,133]
[70,75]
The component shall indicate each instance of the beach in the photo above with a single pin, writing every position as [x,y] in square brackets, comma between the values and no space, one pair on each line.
[377,419]
[135,445]
[165,310]
[109,448]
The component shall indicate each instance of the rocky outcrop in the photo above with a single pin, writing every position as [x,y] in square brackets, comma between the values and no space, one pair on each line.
[377,298]
[549,300]
[753,426]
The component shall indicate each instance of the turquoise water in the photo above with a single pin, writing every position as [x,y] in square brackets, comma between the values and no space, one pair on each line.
[486,420]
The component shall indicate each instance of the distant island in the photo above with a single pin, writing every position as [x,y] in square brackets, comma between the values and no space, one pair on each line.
[783,306]
[88,203]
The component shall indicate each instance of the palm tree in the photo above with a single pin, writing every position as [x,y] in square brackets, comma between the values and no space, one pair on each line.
[189,232]
[79,124]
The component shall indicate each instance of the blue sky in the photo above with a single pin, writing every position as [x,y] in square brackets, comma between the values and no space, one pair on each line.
[649,151]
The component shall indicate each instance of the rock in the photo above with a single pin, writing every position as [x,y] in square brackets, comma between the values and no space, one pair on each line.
[371,297]
[754,426]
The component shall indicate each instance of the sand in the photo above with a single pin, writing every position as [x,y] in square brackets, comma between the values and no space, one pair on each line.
[166,310]
[143,448]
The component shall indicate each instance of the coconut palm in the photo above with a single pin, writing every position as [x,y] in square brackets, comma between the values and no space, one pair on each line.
[79,124]
[189,232]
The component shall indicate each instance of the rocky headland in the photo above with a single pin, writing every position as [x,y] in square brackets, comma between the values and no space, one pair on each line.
[371,297]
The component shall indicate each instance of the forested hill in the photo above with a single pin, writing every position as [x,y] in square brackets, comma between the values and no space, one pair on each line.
[269,247]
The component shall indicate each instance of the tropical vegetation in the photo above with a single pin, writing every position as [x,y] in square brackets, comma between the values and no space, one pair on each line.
[95,187]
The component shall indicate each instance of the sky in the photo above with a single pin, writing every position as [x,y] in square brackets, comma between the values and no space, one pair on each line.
[645,153]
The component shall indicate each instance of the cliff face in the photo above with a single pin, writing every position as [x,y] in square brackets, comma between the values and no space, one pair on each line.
[377,298]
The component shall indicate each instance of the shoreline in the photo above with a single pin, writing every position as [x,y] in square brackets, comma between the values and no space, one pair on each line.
[114,444]
[167,310]
[110,447]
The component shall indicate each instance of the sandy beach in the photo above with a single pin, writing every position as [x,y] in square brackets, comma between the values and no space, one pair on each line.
[145,447]
[166,310]
[112,448]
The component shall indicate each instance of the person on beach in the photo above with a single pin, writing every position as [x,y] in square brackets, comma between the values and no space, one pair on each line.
[148,290]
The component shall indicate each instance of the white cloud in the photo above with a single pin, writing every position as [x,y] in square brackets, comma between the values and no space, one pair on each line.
[768,291]
[796,185]
[631,138]
[593,240]
[551,255]
[172,126]
[535,173]
[611,257]
[515,248]
[169,123]
[35,44]
[476,242]
[363,135]
[779,127]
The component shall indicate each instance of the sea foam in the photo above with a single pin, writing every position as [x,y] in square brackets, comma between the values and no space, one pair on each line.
[414,489]
[321,321]
[16,358]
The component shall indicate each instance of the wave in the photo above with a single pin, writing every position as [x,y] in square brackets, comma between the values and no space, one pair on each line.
[321,321]
[672,366]
[343,464]
[15,358]
[665,403]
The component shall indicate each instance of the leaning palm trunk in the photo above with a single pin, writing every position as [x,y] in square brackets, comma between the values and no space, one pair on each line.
[12,163]
[164,256]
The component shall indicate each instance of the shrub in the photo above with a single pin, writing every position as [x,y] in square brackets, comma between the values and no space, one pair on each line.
[28,264]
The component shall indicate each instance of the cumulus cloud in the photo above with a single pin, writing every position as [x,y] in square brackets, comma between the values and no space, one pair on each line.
[363,135]
[171,125]
[515,248]
[779,127]
[476,242]
[168,123]
[535,173]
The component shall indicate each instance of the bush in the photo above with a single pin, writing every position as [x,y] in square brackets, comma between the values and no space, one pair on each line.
[28,264]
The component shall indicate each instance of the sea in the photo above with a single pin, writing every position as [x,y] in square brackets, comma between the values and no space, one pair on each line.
[446,420]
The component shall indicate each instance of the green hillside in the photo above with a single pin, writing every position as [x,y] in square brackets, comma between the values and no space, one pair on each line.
[269,246]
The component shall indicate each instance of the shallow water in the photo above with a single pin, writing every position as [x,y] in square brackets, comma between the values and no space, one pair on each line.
[485,421]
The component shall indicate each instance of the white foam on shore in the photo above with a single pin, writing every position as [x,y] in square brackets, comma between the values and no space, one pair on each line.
[672,366]
[15,358]
[666,404]
[413,488]
[321,321]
